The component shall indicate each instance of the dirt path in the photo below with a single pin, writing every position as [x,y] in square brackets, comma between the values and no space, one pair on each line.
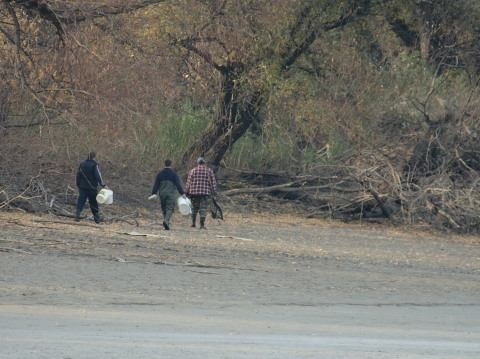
[249,288]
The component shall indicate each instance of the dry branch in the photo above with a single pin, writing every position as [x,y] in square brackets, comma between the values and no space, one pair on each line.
[289,187]
[233,237]
[67,223]
[7,200]
[6,249]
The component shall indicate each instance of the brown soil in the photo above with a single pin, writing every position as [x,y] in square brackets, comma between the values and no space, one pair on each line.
[277,275]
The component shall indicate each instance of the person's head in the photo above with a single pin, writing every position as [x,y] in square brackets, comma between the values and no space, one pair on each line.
[91,155]
[201,161]
[168,163]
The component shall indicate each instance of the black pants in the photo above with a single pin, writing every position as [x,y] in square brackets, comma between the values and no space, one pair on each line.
[92,200]
[167,201]
[199,204]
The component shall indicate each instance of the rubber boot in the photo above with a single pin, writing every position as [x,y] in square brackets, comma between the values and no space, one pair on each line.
[202,223]
[97,217]
[194,220]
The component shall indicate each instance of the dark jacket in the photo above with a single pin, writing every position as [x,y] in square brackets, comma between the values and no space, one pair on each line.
[167,181]
[89,176]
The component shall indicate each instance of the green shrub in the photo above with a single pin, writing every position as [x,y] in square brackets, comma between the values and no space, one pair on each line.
[171,133]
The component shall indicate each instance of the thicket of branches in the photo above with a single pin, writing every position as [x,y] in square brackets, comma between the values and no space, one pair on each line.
[356,108]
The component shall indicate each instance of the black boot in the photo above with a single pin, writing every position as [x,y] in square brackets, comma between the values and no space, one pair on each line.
[194,220]
[77,216]
[97,218]
[202,223]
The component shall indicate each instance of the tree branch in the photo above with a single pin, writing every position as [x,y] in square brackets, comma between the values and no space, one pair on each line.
[187,44]
[39,8]
[308,16]
[60,16]
[13,42]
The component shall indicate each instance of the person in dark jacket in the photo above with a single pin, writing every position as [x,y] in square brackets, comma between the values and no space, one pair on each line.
[167,185]
[88,180]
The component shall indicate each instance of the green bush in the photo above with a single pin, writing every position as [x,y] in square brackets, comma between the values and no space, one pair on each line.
[171,133]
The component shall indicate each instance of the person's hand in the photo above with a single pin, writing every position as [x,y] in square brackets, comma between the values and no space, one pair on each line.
[152,197]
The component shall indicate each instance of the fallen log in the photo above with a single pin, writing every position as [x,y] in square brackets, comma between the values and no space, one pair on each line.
[288,187]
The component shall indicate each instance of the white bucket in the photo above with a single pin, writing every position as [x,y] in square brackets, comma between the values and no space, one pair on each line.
[105,196]
[184,206]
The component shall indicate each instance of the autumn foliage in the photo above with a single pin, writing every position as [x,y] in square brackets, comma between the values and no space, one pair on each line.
[356,108]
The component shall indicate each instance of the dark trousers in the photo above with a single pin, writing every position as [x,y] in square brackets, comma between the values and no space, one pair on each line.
[167,201]
[92,200]
[199,204]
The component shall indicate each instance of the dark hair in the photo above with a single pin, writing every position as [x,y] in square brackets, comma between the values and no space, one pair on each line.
[91,155]
[168,163]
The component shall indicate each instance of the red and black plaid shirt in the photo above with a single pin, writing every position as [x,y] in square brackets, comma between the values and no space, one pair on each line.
[201,181]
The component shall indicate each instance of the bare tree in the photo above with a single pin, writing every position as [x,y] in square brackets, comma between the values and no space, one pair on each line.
[42,34]
[241,94]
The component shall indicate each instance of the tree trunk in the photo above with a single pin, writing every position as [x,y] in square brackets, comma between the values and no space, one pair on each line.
[426,26]
[425,40]
[239,110]
[231,123]
[234,132]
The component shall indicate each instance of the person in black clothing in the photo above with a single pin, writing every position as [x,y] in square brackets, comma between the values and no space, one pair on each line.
[88,179]
[168,185]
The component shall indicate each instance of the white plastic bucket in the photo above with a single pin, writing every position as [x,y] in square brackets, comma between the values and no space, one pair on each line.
[105,196]
[184,206]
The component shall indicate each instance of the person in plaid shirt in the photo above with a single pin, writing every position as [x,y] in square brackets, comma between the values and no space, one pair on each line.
[201,184]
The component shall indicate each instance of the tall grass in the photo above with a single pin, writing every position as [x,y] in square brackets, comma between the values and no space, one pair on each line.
[171,133]
[279,151]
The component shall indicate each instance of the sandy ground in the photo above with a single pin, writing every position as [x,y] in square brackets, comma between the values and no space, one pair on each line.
[250,287]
